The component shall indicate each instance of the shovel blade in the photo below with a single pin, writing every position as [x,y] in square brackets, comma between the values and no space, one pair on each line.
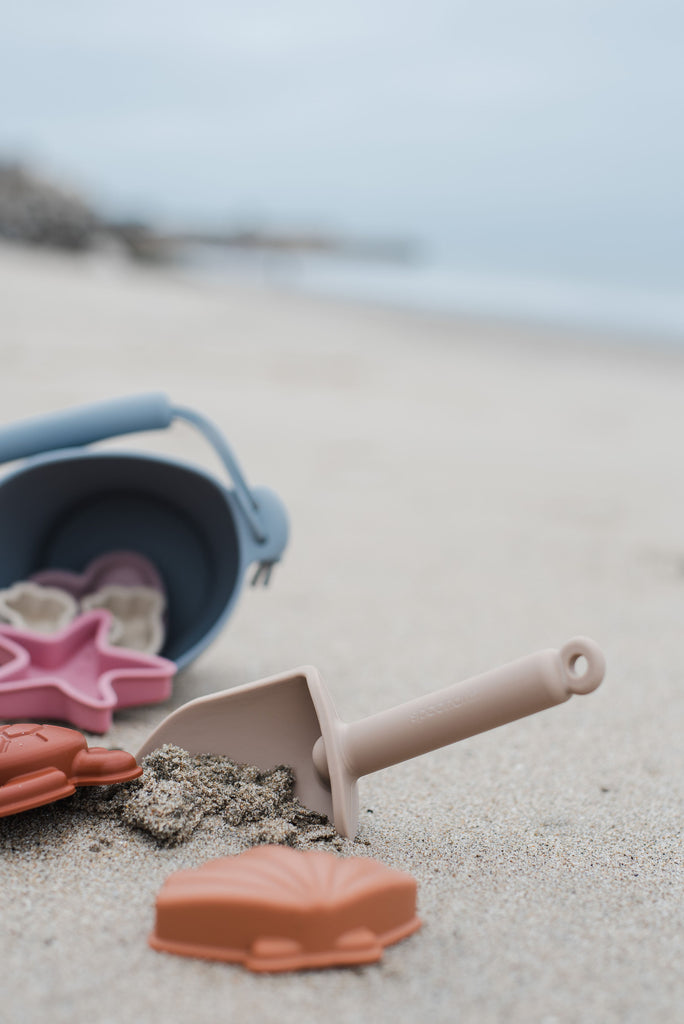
[267,723]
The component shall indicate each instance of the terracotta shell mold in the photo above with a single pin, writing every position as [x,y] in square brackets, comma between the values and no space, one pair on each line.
[76,675]
[137,615]
[277,909]
[43,763]
[28,605]
[118,568]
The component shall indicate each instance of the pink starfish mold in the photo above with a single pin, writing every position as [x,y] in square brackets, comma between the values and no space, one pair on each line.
[75,675]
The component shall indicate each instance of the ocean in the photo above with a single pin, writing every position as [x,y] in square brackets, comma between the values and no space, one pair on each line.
[532,152]
[643,312]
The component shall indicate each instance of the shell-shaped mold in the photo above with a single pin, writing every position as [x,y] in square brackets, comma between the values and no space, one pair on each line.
[278,909]
[27,605]
[137,616]
[43,763]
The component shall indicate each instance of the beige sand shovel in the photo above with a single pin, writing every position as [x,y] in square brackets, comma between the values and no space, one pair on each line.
[290,719]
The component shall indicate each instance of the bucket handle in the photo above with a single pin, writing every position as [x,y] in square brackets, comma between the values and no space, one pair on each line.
[86,424]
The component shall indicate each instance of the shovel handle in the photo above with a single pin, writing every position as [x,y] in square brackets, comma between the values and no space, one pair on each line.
[484,702]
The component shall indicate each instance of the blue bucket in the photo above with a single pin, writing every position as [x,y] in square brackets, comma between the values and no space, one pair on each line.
[66,504]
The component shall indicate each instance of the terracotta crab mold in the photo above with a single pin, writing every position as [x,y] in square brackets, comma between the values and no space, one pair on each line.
[43,763]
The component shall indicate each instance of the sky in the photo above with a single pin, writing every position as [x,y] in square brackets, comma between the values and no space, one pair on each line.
[499,134]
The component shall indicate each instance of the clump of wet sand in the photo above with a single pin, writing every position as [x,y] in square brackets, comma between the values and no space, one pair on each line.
[177,790]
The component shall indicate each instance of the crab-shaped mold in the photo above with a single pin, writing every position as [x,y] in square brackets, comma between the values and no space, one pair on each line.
[43,763]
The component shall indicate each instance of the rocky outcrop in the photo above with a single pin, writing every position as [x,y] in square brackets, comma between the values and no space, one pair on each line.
[37,212]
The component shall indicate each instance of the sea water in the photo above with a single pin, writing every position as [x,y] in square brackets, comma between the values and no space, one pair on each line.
[645,310]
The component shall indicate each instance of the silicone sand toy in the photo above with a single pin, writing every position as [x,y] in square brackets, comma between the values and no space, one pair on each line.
[290,719]
[138,615]
[70,502]
[125,583]
[118,568]
[276,909]
[29,605]
[43,763]
[75,675]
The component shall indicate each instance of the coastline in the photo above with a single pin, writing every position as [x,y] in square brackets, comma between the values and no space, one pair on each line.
[572,304]
[461,494]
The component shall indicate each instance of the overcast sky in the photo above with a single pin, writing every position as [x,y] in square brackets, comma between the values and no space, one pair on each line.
[499,131]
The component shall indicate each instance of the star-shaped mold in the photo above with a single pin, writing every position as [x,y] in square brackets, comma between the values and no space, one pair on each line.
[76,675]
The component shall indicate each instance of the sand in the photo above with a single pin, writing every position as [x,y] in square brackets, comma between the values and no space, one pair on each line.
[460,495]
[179,792]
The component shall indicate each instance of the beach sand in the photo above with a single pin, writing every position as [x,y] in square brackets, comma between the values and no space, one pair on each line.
[460,495]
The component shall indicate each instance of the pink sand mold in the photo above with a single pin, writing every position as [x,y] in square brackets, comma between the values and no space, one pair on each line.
[28,605]
[76,676]
[122,568]
[138,616]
